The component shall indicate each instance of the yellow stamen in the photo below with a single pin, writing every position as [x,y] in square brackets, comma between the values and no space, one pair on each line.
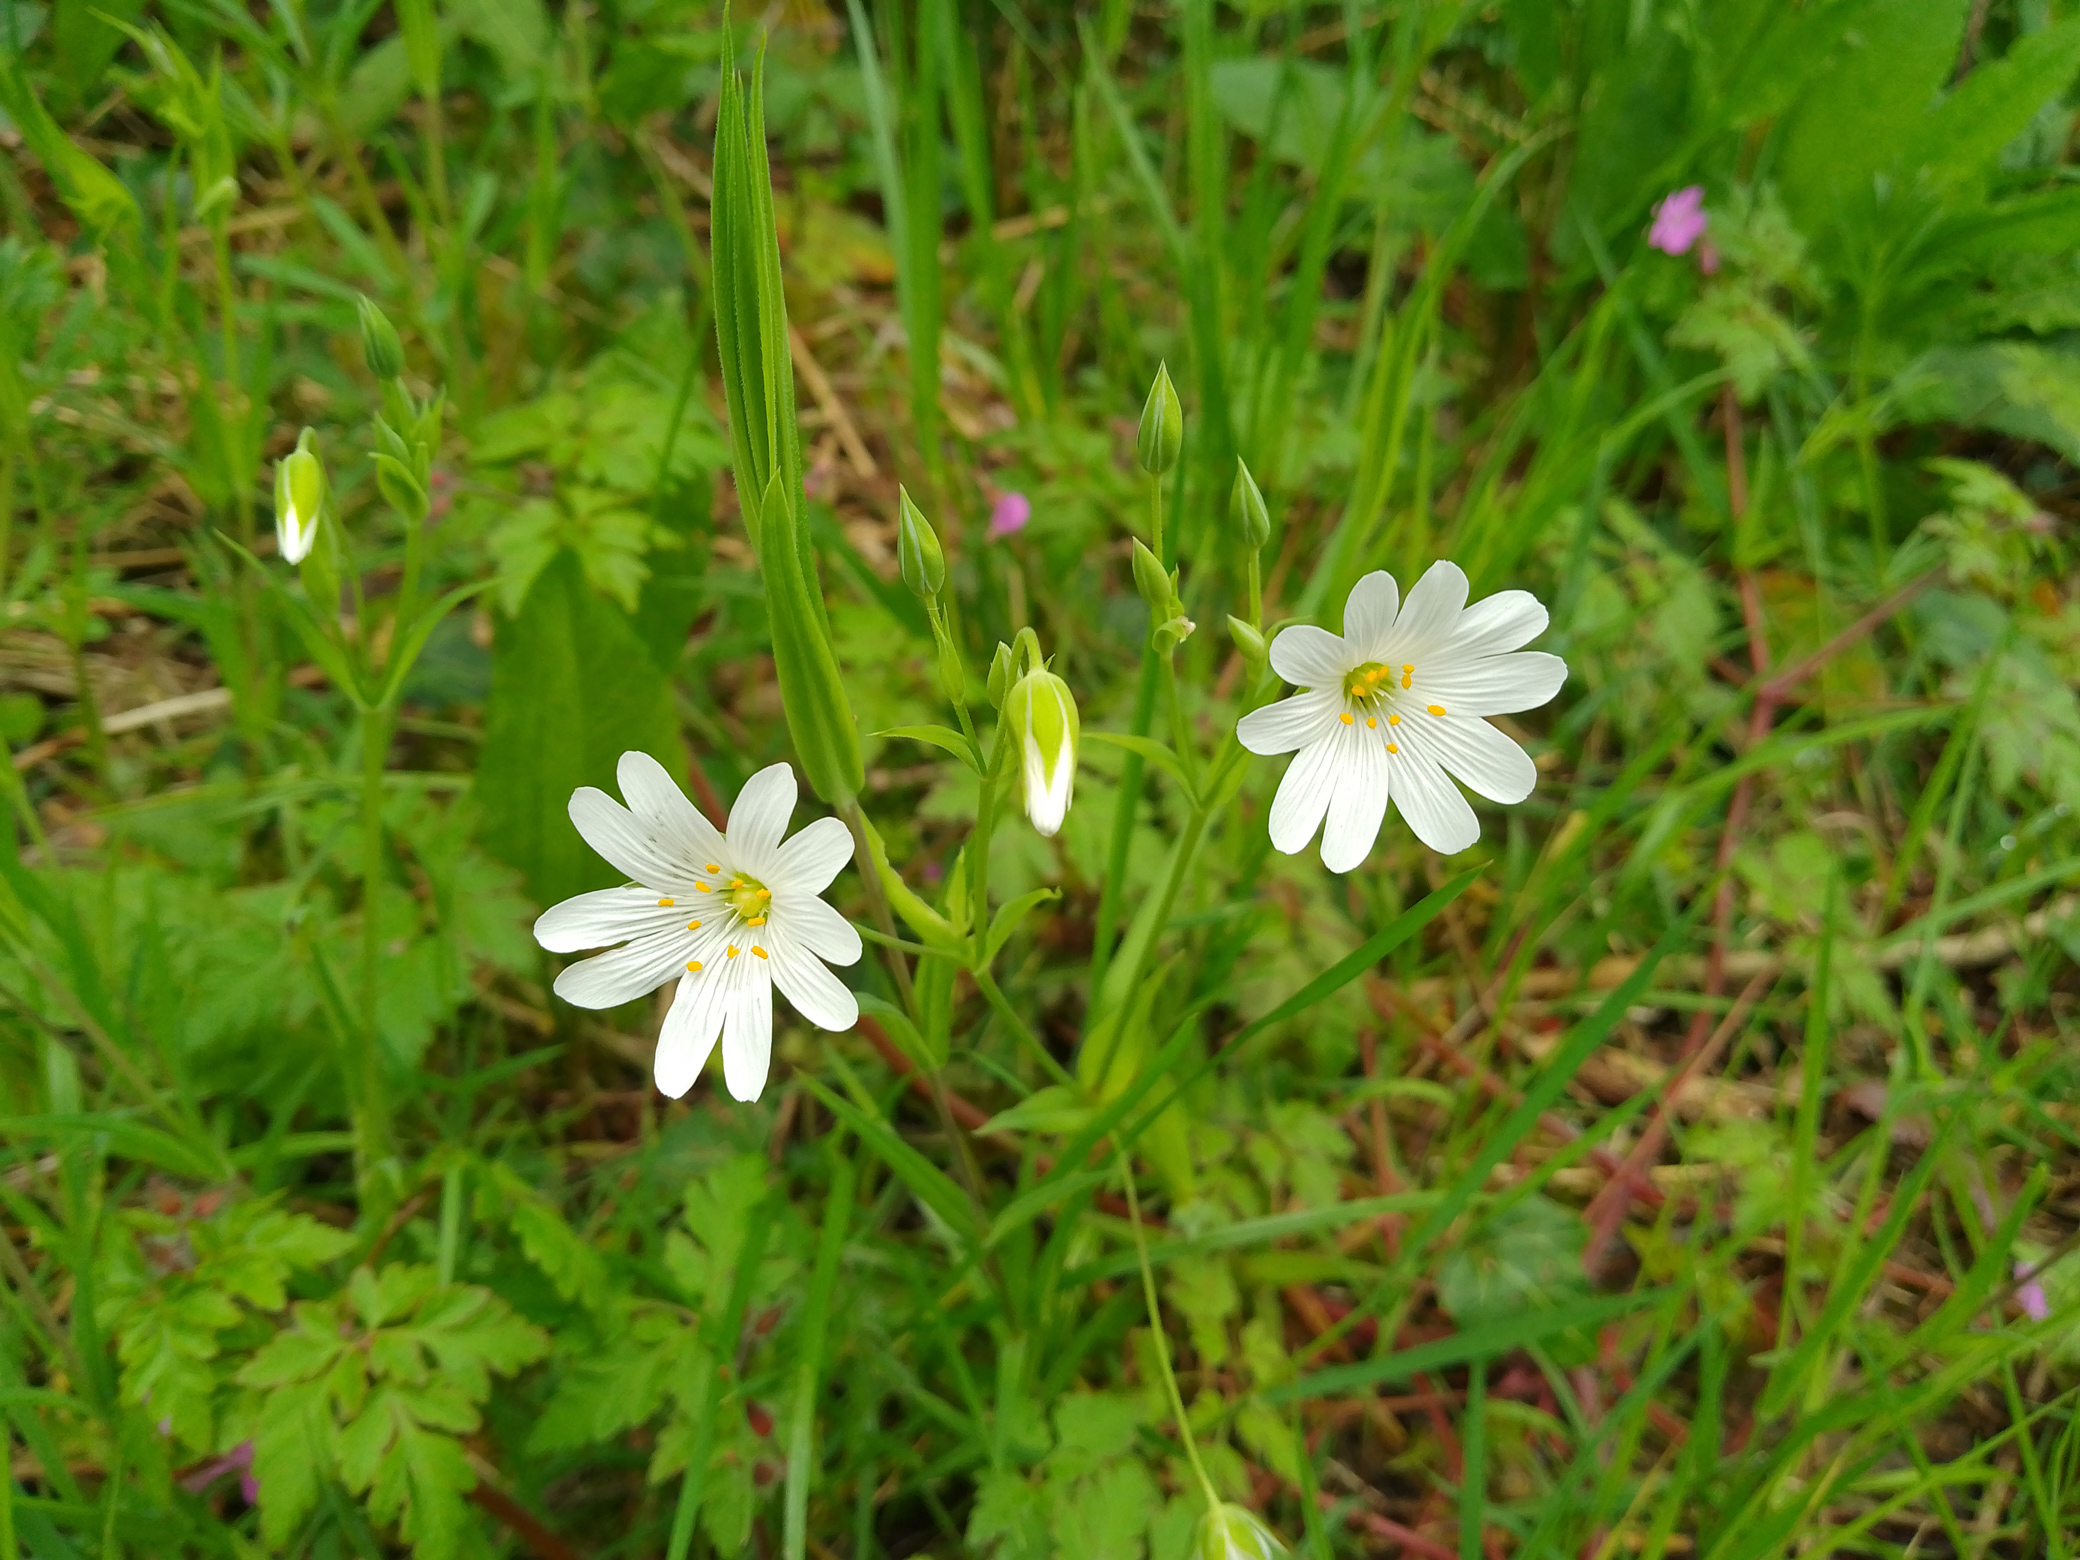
[694,965]
[732,950]
[1408,666]
[1407,681]
[704,888]
[666,903]
[1345,717]
[1393,720]
[693,926]
[1437,709]
[757,920]
[1371,720]
[1391,748]
[713,867]
[758,950]
[765,893]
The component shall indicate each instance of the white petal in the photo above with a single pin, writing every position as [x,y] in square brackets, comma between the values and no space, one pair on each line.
[1310,657]
[1047,795]
[689,1034]
[1436,812]
[809,861]
[1303,796]
[1507,620]
[613,831]
[1368,617]
[759,819]
[817,994]
[601,919]
[663,809]
[747,1029]
[1290,724]
[1480,757]
[816,926]
[1358,804]
[1494,684]
[609,979]
[1430,613]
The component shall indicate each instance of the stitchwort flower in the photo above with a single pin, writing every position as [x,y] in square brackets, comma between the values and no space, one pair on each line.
[1393,705]
[1040,716]
[299,494]
[730,915]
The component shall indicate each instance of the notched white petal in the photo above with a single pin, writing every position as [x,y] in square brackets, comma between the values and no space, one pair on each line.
[1310,657]
[759,819]
[817,927]
[817,994]
[1482,758]
[809,861]
[1432,609]
[1358,803]
[609,979]
[601,919]
[1496,684]
[1437,814]
[1368,616]
[1290,724]
[1494,625]
[688,1038]
[663,809]
[613,831]
[1303,796]
[747,1032]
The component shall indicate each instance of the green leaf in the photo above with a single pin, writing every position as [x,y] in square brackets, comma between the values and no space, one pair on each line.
[902,1031]
[946,737]
[572,689]
[406,654]
[1161,754]
[1963,136]
[1055,1108]
[1011,916]
[295,1448]
[812,691]
[933,1187]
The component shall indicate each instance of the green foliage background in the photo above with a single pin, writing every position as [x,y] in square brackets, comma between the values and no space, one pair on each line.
[1700,1180]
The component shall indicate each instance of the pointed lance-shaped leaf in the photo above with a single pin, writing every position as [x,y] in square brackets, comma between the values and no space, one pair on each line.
[812,693]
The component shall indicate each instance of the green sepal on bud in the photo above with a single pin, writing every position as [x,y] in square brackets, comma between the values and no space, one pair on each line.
[917,549]
[380,347]
[1040,717]
[1165,606]
[1232,1532]
[299,499]
[999,675]
[1161,438]
[1249,641]
[1252,517]
[812,692]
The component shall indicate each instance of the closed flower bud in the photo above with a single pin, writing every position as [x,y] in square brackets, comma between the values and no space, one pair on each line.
[1231,1532]
[917,549]
[1162,426]
[380,348]
[999,675]
[1040,717]
[299,495]
[1252,519]
[1151,579]
[1248,641]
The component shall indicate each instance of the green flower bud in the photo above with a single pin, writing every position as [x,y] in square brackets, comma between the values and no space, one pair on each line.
[1040,716]
[953,672]
[1248,641]
[1252,519]
[917,549]
[299,496]
[1162,425]
[380,348]
[999,675]
[1151,579]
[1231,1532]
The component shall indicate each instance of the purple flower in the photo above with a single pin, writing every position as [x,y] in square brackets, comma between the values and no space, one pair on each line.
[1679,221]
[1008,516]
[240,1457]
[2031,1295]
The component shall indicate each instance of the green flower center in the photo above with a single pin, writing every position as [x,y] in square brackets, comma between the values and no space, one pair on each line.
[750,898]
[1374,678]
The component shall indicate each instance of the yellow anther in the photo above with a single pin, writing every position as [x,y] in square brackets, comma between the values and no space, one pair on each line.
[758,950]
[1437,709]
[694,965]
[765,893]
[732,950]
[704,888]
[1408,666]
[666,903]
[1407,681]
[1392,749]
[757,920]
[1393,720]
[693,926]
[714,867]
[1345,717]
[1371,720]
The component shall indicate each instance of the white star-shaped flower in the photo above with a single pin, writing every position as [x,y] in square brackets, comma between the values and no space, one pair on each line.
[1393,705]
[729,915]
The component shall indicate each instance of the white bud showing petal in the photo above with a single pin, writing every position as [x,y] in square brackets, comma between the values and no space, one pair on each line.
[1231,1532]
[1040,715]
[299,494]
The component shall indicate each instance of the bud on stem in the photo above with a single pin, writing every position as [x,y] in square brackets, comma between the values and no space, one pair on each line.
[917,549]
[1161,438]
[380,348]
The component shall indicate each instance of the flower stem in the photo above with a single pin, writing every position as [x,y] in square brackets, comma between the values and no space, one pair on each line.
[1161,1338]
[372,1128]
[877,903]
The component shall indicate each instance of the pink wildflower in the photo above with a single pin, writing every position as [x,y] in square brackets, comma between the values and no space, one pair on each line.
[2031,1295]
[240,1457]
[1008,516]
[1679,221]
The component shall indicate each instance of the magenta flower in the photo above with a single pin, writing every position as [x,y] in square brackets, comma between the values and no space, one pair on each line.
[240,1457]
[1679,221]
[2035,1305]
[1008,516]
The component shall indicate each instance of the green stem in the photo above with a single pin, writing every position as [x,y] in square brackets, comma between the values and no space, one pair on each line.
[1021,1031]
[372,1129]
[1124,808]
[877,903]
[1161,1338]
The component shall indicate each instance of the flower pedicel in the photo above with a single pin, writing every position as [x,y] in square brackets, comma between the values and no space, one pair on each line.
[1393,705]
[730,915]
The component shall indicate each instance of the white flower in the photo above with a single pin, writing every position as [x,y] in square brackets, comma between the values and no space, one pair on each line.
[730,916]
[1393,705]
[1232,1532]
[299,491]
[1041,716]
